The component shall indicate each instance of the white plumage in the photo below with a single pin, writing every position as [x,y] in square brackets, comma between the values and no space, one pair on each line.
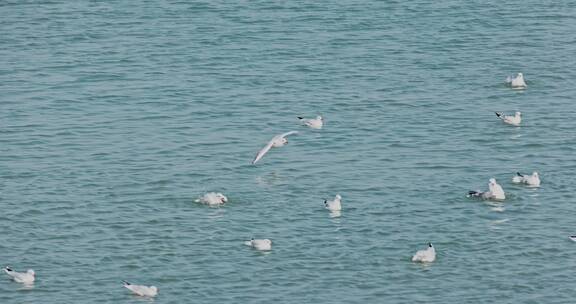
[516,82]
[260,244]
[276,142]
[530,180]
[425,256]
[27,277]
[212,199]
[316,123]
[514,120]
[141,290]
[335,204]
[495,192]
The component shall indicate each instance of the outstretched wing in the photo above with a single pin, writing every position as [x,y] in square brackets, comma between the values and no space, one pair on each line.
[264,150]
[287,133]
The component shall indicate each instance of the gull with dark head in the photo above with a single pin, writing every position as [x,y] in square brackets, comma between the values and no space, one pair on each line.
[315,123]
[509,119]
[276,142]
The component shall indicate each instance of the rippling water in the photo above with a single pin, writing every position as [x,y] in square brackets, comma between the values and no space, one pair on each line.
[116,115]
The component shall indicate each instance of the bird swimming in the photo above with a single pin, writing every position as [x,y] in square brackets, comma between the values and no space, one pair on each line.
[335,204]
[511,120]
[259,244]
[516,82]
[316,123]
[495,192]
[212,199]
[141,290]
[27,277]
[276,142]
[425,256]
[530,180]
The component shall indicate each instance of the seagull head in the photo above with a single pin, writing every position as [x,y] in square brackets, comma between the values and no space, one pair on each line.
[520,75]
[492,181]
[535,174]
[518,113]
[222,198]
[31,272]
[319,117]
[338,197]
[154,289]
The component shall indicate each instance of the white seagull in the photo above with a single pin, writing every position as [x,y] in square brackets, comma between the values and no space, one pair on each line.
[516,82]
[509,119]
[212,199]
[335,204]
[530,180]
[260,244]
[276,142]
[27,277]
[495,192]
[425,256]
[573,238]
[141,290]
[316,123]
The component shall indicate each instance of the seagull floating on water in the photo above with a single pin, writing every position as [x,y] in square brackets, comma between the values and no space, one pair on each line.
[141,290]
[509,119]
[259,244]
[530,180]
[212,199]
[27,277]
[425,256]
[573,238]
[276,142]
[495,192]
[335,204]
[315,123]
[516,82]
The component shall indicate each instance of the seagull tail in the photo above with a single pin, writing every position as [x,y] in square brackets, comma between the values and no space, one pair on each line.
[518,173]
[474,193]
[300,118]
[126,283]
[498,114]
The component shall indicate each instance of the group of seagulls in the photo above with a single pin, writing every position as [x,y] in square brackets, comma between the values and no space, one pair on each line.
[428,255]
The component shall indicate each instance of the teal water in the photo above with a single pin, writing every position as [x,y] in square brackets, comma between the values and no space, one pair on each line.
[116,115]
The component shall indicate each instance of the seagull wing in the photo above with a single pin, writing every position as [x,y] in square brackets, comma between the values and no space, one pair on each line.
[287,133]
[264,150]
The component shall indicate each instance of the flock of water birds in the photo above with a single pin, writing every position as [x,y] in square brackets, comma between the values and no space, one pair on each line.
[428,255]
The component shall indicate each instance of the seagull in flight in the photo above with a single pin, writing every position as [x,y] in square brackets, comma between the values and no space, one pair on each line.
[276,142]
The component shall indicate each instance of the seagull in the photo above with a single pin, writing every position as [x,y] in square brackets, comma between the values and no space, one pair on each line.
[141,290]
[425,256]
[530,180]
[27,277]
[495,192]
[335,204]
[212,199]
[261,244]
[516,82]
[573,238]
[316,123]
[511,120]
[276,142]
